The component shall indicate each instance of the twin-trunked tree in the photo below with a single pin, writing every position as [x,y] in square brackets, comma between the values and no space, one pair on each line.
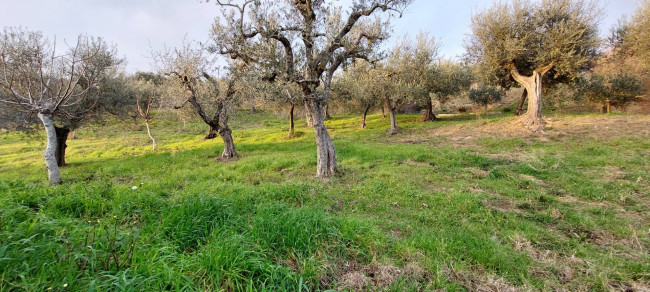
[36,80]
[527,39]
[303,42]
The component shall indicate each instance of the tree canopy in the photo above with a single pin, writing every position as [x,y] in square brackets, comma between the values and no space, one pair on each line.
[523,40]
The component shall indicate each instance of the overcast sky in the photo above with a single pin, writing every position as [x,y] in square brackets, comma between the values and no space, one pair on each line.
[136,26]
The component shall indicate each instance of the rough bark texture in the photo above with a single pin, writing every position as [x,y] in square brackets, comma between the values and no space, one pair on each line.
[228,143]
[327,113]
[153,140]
[61,145]
[226,135]
[428,112]
[520,106]
[383,111]
[212,133]
[326,153]
[308,118]
[363,118]
[532,119]
[53,173]
[394,129]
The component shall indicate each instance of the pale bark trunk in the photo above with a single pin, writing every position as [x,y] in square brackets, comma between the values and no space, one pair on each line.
[428,112]
[326,153]
[532,119]
[522,100]
[291,121]
[363,118]
[228,143]
[394,129]
[226,134]
[74,135]
[61,144]
[53,173]
[383,112]
[153,140]
[308,118]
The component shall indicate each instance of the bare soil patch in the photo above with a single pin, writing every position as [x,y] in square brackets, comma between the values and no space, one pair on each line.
[604,127]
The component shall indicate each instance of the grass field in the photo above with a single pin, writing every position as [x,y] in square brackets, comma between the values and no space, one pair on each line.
[458,204]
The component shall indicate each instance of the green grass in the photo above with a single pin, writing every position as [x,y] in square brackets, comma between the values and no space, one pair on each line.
[527,212]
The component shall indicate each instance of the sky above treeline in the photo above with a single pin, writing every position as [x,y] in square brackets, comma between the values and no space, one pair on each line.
[138,26]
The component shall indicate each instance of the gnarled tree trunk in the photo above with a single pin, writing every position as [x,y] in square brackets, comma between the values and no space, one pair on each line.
[226,134]
[61,145]
[532,119]
[522,100]
[394,129]
[363,118]
[212,133]
[53,173]
[326,153]
[428,112]
[228,143]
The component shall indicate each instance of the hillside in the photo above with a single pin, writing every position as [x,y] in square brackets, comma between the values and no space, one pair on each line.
[458,204]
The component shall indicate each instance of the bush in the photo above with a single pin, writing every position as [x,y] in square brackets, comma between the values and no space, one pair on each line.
[485,95]
[619,89]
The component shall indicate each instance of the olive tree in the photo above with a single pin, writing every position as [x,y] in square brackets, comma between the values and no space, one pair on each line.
[36,79]
[447,78]
[191,81]
[524,40]
[611,90]
[355,90]
[147,94]
[416,63]
[303,42]
[485,95]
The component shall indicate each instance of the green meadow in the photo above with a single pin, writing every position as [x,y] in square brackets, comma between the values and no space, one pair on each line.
[458,205]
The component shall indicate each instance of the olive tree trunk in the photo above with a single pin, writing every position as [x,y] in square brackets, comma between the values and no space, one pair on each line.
[308,117]
[327,113]
[428,112]
[363,117]
[226,134]
[212,133]
[394,129]
[291,120]
[228,143]
[532,119]
[522,100]
[153,139]
[61,144]
[326,153]
[53,173]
